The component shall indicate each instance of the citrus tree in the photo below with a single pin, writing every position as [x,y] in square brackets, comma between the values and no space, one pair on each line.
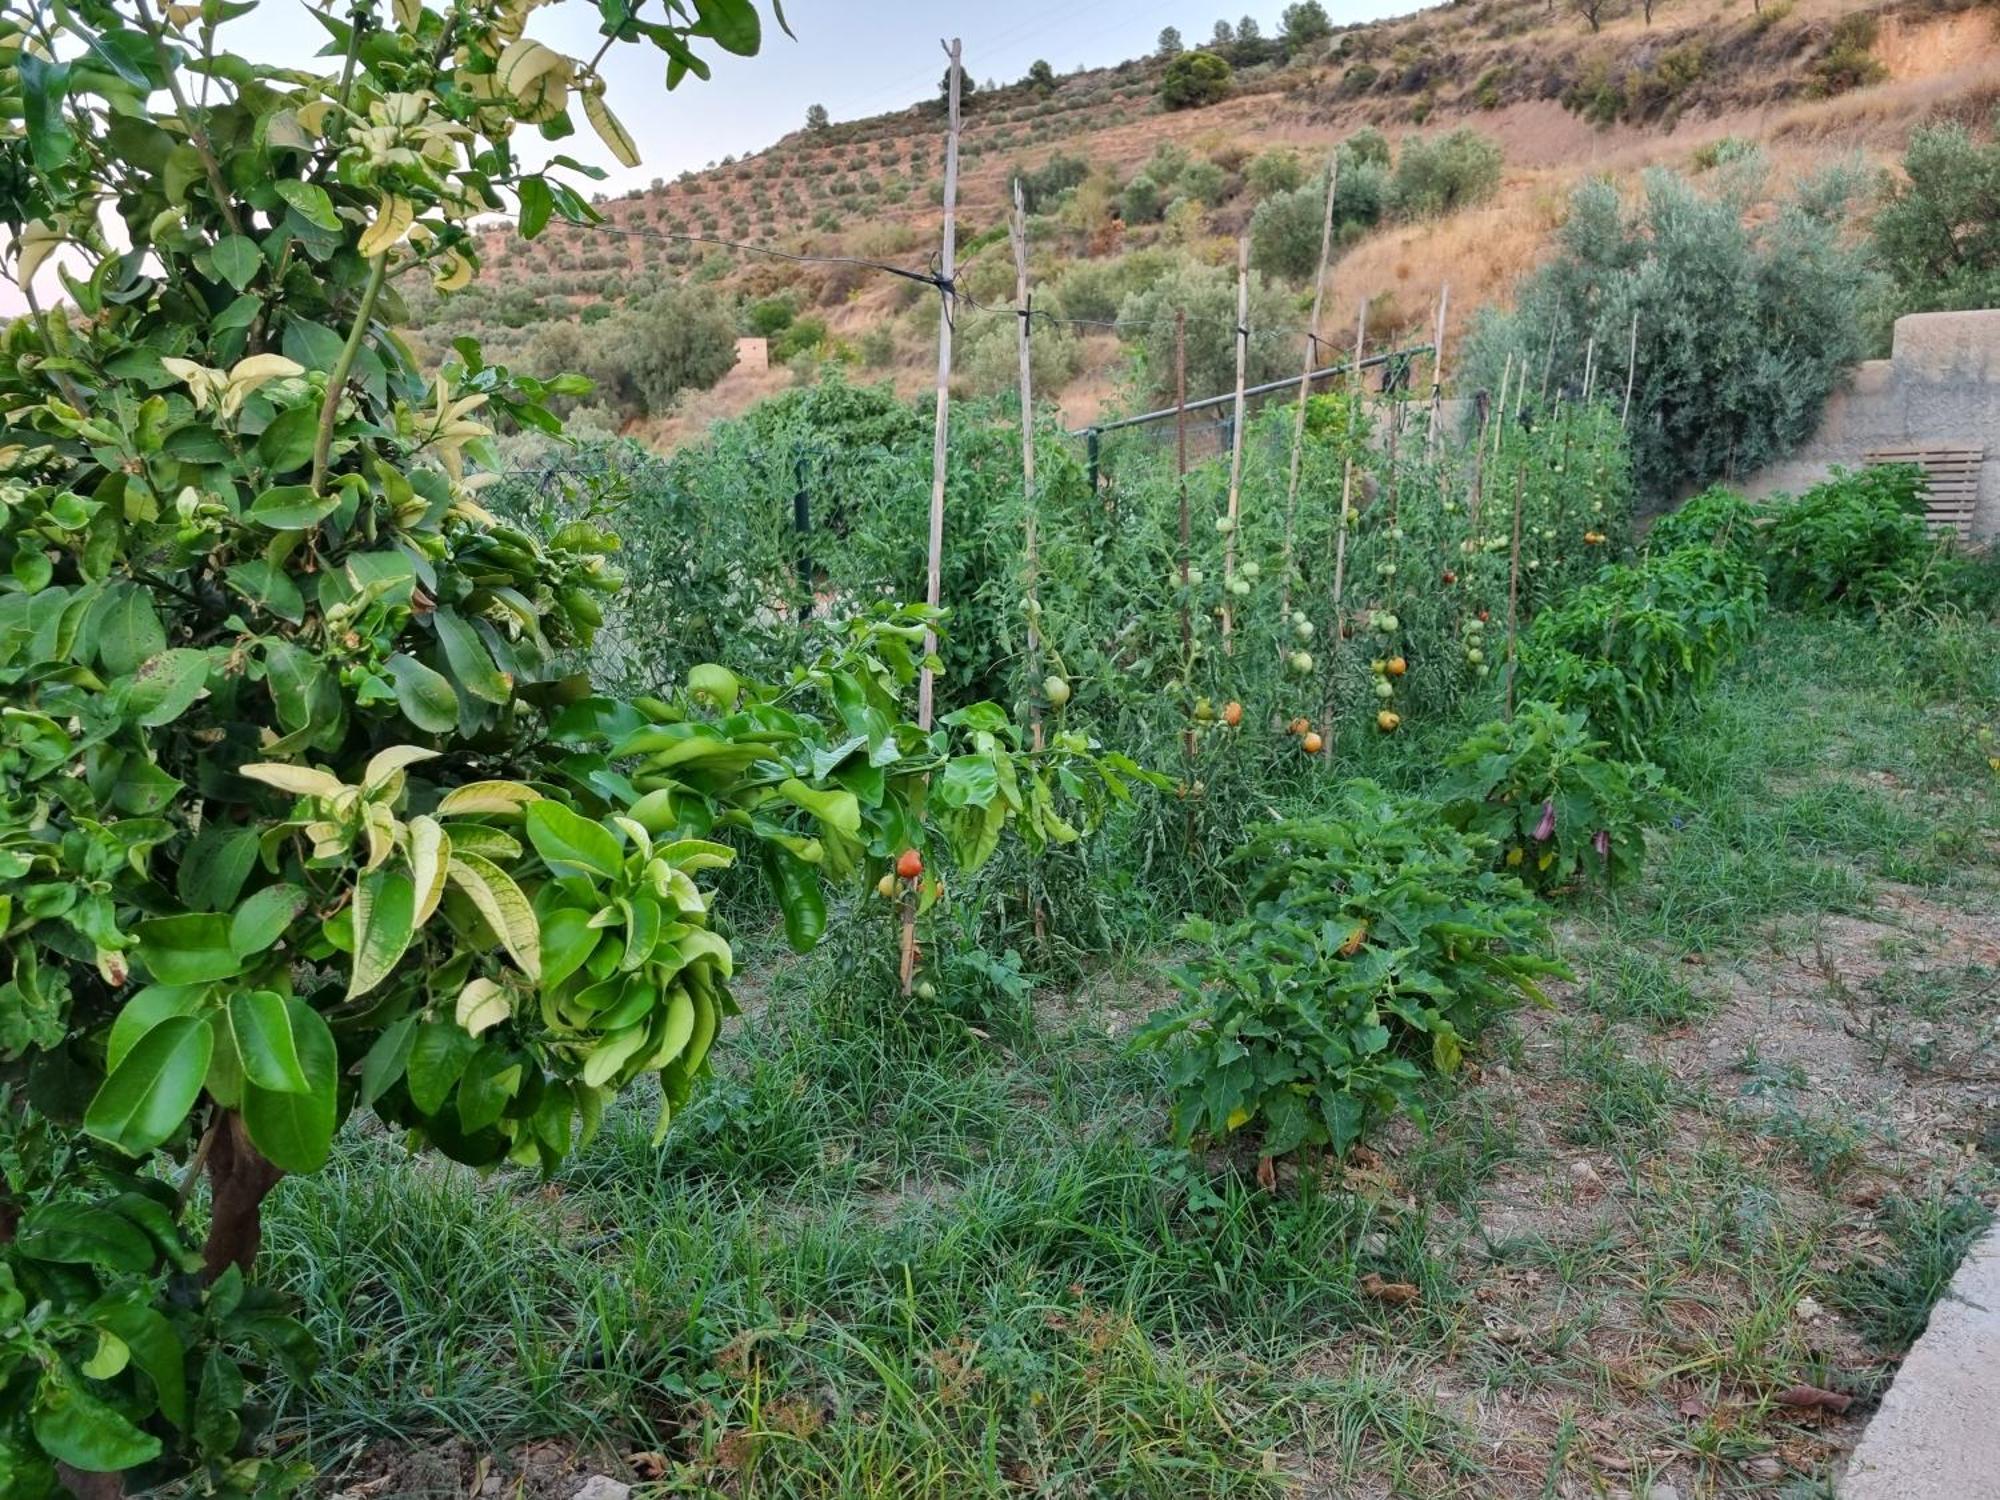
[306,804]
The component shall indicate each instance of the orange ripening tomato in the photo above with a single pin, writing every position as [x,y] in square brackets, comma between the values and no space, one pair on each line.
[1397,666]
[1388,720]
[1299,725]
[1312,743]
[909,864]
[1232,713]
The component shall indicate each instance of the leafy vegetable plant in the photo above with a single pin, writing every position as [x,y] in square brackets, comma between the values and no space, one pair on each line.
[1559,809]
[1377,944]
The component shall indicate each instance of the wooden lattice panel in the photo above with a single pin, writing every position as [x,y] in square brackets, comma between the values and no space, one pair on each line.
[1952,476]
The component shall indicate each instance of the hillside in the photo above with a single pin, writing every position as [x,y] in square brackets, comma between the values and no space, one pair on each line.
[1560,101]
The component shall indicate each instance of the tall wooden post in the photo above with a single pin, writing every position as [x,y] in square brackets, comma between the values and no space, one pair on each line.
[1187,530]
[1589,368]
[1236,441]
[1631,369]
[1018,233]
[1514,586]
[926,684]
[1335,649]
[1305,390]
[1437,371]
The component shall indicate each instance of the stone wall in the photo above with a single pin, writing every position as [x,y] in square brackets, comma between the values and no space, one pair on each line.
[1940,387]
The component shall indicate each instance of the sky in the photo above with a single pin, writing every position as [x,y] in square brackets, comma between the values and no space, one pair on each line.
[857,57]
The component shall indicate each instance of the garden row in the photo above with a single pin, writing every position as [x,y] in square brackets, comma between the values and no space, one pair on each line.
[1378,937]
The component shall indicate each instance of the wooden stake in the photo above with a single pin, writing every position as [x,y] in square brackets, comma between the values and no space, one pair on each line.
[1336,647]
[1236,441]
[1018,233]
[1589,368]
[1514,586]
[926,685]
[1305,390]
[1631,369]
[1187,535]
[1497,414]
[1437,371]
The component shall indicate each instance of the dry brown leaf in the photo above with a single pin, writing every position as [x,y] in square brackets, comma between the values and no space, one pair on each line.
[1395,1293]
[1267,1175]
[1812,1397]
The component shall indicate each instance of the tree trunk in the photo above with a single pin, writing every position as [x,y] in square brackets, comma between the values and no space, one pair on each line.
[239,1180]
[90,1486]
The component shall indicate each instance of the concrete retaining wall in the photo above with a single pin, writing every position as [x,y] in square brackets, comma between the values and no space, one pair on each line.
[1940,387]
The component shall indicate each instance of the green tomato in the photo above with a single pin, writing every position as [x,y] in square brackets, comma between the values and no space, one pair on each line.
[1251,570]
[1056,690]
[1301,662]
[1194,578]
[1384,688]
[1239,586]
[1224,525]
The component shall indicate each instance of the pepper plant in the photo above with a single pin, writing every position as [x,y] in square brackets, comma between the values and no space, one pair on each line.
[305,807]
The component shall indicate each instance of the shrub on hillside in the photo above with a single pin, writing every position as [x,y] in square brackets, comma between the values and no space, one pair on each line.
[1095,289]
[1378,944]
[1441,174]
[1194,79]
[1276,170]
[1747,319]
[1285,229]
[1208,296]
[1937,232]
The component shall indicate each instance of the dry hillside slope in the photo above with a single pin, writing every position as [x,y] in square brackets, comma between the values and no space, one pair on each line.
[1561,102]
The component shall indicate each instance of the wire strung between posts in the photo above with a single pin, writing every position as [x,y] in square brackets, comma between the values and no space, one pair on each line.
[929,277]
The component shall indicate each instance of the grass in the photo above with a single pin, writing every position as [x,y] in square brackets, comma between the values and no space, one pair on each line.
[888,1254]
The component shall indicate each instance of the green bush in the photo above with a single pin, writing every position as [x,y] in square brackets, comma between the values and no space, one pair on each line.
[801,336]
[1441,174]
[1856,542]
[1629,648]
[1747,320]
[1285,229]
[1849,61]
[1557,808]
[1208,295]
[1937,231]
[1277,169]
[769,316]
[1377,945]
[1194,79]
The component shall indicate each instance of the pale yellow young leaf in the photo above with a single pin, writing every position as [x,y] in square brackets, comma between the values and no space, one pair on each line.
[454,274]
[477,797]
[37,240]
[617,139]
[409,13]
[482,1004]
[430,853]
[379,823]
[393,218]
[300,781]
[506,910]
[523,65]
[385,763]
